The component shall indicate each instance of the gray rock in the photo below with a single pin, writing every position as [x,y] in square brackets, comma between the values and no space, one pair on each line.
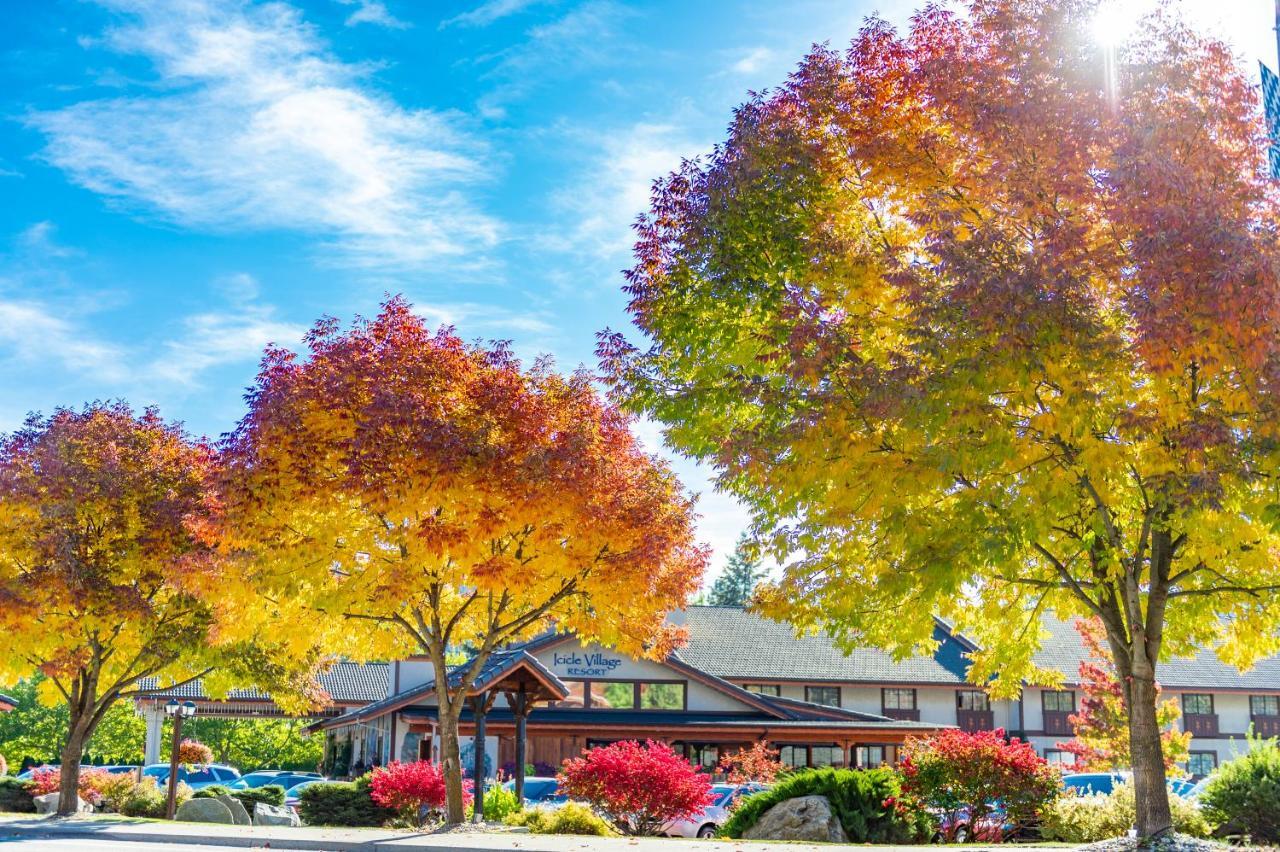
[238,813]
[805,818]
[48,804]
[205,810]
[264,814]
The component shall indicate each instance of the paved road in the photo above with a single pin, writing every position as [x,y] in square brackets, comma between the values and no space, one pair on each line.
[79,845]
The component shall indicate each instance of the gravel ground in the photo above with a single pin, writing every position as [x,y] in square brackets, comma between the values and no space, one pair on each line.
[1168,843]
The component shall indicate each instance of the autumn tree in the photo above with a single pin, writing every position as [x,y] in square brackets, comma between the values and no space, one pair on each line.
[1101,725]
[974,334]
[427,495]
[734,586]
[105,573]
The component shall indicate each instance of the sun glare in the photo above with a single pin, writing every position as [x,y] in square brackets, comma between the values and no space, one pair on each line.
[1115,21]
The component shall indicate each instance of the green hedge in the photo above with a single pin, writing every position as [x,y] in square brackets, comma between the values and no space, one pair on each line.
[1243,795]
[342,803]
[15,796]
[857,797]
[271,794]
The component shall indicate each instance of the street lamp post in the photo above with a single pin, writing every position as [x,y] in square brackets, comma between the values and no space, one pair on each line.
[177,712]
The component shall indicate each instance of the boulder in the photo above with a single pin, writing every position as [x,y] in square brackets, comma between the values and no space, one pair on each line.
[48,804]
[804,818]
[264,814]
[205,810]
[238,813]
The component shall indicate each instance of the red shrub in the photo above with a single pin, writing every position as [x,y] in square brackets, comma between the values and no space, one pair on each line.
[758,763]
[640,787]
[414,788]
[91,782]
[966,775]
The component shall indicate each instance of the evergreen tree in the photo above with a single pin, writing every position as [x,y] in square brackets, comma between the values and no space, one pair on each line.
[734,586]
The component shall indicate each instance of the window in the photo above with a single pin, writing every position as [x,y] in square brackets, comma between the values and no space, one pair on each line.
[898,699]
[1197,704]
[1059,701]
[613,695]
[826,755]
[1202,763]
[972,699]
[794,756]
[826,695]
[1059,759]
[702,755]
[868,756]
[662,696]
[577,696]
[763,688]
[1264,705]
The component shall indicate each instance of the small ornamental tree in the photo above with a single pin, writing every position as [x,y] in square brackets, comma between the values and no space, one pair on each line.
[1101,725]
[193,752]
[415,789]
[426,494]
[640,787]
[962,775]
[758,763]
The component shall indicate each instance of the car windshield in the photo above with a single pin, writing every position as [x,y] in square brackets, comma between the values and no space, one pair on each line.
[539,791]
[260,779]
[723,792]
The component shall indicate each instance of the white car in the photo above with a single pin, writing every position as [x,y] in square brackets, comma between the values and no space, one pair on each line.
[713,815]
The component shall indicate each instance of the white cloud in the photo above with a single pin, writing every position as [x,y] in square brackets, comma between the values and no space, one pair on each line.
[471,319]
[253,125]
[38,241]
[213,339]
[604,201]
[752,60]
[488,12]
[38,335]
[372,12]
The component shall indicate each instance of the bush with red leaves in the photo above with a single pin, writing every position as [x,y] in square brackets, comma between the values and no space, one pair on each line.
[978,780]
[415,789]
[639,787]
[758,763]
[48,779]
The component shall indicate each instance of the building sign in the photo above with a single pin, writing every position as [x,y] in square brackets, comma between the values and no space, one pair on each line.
[586,665]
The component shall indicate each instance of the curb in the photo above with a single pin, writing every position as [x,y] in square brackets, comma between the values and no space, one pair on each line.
[126,835]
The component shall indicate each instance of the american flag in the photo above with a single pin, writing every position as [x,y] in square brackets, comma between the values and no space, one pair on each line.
[1271,104]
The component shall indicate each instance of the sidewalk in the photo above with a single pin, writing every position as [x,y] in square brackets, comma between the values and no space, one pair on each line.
[368,840]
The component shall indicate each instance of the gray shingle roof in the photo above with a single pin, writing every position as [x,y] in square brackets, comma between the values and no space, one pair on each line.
[1063,650]
[346,683]
[731,643]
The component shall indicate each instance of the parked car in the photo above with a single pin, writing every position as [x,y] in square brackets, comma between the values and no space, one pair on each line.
[1085,783]
[293,795]
[280,777]
[540,791]
[195,777]
[713,815]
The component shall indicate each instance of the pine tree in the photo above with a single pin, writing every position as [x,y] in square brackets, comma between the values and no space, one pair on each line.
[734,586]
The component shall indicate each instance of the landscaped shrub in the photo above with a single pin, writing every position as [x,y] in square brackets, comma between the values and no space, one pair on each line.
[49,780]
[415,790]
[868,802]
[1097,817]
[758,763]
[148,799]
[569,818]
[499,803]
[639,787]
[115,790]
[15,796]
[270,794]
[961,775]
[342,803]
[1243,795]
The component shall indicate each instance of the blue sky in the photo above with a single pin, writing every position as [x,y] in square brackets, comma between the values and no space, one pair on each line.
[184,181]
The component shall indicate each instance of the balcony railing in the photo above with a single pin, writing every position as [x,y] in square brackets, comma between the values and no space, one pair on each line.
[1057,722]
[975,720]
[1201,724]
[1266,726]
[903,714]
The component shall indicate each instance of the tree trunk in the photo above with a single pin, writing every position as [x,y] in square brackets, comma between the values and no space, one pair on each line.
[451,761]
[78,731]
[1151,792]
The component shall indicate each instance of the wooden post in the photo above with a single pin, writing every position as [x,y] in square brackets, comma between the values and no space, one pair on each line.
[480,706]
[171,805]
[520,707]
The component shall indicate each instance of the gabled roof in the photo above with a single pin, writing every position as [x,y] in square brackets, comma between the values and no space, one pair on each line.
[730,642]
[500,665]
[346,683]
[1063,651]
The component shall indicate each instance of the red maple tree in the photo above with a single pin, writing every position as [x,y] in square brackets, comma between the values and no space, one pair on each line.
[640,786]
